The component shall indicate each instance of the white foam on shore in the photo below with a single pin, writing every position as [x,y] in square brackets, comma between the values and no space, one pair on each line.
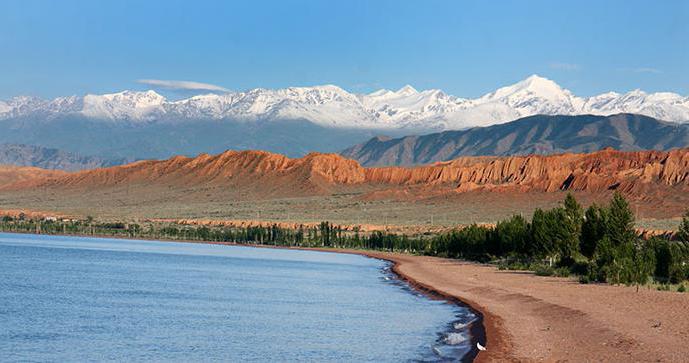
[455,338]
[460,326]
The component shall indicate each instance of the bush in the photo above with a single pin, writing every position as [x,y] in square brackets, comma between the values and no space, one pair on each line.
[580,268]
[562,272]
[566,262]
[515,264]
[681,288]
[542,270]
[677,273]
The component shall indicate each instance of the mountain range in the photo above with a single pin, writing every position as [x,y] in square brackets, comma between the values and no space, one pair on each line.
[293,121]
[540,134]
[48,158]
[332,106]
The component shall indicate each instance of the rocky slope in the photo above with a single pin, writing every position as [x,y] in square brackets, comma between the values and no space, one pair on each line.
[531,135]
[16,174]
[632,172]
[48,158]
[318,174]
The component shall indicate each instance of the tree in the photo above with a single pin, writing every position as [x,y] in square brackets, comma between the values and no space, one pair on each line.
[683,232]
[570,218]
[620,221]
[664,258]
[592,230]
[641,264]
[613,261]
[512,235]
[543,236]
[574,212]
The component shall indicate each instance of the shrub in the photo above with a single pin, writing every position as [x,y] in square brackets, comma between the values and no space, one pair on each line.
[681,288]
[584,279]
[663,287]
[562,272]
[542,270]
[514,263]
[677,273]
[580,268]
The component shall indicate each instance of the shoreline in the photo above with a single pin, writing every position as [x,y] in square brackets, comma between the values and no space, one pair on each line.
[477,329]
[483,330]
[532,318]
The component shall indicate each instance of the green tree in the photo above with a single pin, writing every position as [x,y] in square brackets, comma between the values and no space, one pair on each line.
[683,231]
[592,230]
[512,235]
[574,212]
[543,236]
[620,221]
[612,261]
[570,219]
[663,256]
[641,264]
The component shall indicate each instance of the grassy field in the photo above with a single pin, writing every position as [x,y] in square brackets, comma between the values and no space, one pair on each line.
[347,207]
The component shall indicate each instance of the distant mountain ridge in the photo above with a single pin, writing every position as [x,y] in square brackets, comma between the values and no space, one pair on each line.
[539,134]
[48,158]
[332,106]
[292,121]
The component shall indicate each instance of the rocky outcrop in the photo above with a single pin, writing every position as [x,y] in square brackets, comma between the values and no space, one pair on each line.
[594,172]
[25,174]
[632,172]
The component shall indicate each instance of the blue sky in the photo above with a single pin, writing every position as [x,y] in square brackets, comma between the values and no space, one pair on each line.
[467,48]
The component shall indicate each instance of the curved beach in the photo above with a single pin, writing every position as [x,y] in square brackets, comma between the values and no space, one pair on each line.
[532,318]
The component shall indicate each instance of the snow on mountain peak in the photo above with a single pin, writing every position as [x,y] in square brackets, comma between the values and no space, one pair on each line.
[533,86]
[534,95]
[125,105]
[407,90]
[332,106]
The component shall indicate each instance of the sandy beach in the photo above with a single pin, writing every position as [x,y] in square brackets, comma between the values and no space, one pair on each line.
[533,318]
[529,318]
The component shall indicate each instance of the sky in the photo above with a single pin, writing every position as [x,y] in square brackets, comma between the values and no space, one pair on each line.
[466,48]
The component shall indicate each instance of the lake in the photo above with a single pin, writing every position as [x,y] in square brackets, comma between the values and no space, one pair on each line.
[91,299]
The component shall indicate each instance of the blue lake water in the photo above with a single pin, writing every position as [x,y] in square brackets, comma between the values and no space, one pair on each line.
[86,299]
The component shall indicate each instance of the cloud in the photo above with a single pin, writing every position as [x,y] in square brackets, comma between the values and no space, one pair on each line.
[642,70]
[565,66]
[182,85]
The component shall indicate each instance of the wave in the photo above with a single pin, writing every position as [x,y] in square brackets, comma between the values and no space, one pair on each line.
[455,338]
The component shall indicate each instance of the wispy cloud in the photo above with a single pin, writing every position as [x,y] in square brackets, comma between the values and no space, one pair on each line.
[565,66]
[182,85]
[642,70]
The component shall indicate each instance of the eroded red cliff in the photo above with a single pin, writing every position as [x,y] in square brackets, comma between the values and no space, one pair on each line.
[322,173]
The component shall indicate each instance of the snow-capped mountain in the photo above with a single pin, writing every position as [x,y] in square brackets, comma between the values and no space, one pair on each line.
[332,106]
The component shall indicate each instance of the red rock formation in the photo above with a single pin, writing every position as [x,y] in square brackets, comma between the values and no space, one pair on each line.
[632,172]
[599,171]
[13,174]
